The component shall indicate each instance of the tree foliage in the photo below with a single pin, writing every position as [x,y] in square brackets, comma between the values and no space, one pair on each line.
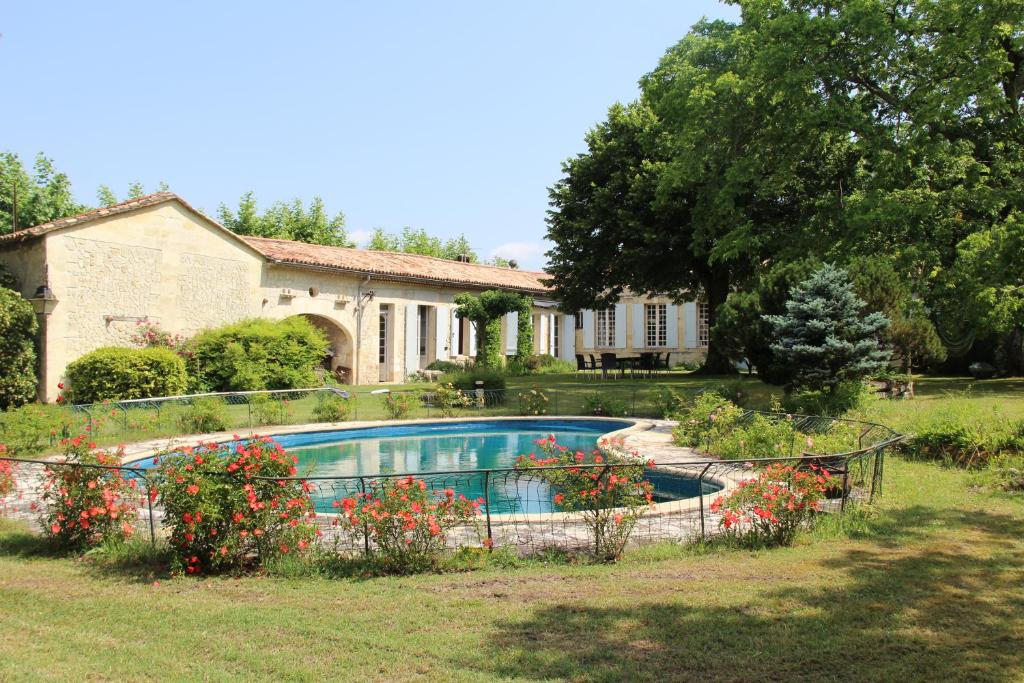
[18,329]
[286,220]
[417,241]
[43,195]
[825,336]
[486,311]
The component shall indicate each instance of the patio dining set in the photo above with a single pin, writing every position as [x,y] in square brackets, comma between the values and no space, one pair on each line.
[612,366]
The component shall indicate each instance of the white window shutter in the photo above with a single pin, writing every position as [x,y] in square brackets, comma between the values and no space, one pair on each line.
[639,340]
[568,337]
[672,326]
[541,334]
[620,326]
[453,343]
[588,329]
[511,332]
[690,324]
[412,355]
[442,332]
[552,321]
[472,339]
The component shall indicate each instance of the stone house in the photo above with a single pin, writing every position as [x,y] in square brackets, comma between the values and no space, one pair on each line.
[94,277]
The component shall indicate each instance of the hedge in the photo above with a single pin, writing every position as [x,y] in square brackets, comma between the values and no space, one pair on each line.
[256,354]
[17,350]
[115,373]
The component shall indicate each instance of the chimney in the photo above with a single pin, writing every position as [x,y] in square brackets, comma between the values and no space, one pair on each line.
[462,258]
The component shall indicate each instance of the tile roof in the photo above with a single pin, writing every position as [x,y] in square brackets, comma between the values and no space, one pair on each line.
[390,265]
[398,266]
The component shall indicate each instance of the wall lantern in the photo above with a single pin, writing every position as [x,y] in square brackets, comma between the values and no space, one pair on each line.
[44,301]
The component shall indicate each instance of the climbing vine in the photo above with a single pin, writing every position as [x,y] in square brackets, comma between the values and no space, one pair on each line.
[486,311]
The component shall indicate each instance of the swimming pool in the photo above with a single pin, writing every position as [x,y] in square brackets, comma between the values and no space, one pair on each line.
[472,457]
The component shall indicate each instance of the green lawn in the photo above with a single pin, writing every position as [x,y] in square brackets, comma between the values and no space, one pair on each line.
[930,586]
[927,586]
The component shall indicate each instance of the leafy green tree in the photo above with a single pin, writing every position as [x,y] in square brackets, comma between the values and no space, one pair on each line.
[286,220]
[18,329]
[989,275]
[743,333]
[486,311]
[42,196]
[106,197]
[911,333]
[824,335]
[687,192]
[929,94]
[417,241]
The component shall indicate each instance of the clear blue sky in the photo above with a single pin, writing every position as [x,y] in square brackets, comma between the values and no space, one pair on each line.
[450,116]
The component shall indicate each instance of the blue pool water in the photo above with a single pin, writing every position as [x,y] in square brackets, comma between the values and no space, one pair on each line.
[450,455]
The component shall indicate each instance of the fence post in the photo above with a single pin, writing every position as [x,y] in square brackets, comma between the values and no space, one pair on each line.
[149,506]
[366,528]
[700,497]
[487,509]
[248,405]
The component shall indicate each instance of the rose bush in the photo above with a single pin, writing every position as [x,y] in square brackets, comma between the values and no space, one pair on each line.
[7,482]
[606,487]
[770,507]
[234,505]
[533,402]
[405,522]
[86,500]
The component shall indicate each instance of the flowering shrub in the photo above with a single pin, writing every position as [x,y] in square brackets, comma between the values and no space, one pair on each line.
[85,506]
[397,405]
[449,399]
[148,333]
[770,507]
[611,498]
[331,408]
[533,402]
[759,438]
[406,523]
[710,416]
[229,505]
[6,475]
[597,403]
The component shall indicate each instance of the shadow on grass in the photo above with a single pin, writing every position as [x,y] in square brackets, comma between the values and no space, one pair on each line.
[951,612]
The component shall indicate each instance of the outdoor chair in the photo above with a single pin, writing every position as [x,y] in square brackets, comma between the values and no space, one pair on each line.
[595,365]
[648,361]
[583,365]
[609,362]
[663,365]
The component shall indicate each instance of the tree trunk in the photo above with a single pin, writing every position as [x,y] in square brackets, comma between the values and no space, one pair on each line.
[716,289]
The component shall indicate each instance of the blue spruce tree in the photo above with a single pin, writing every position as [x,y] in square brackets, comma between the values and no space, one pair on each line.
[824,336]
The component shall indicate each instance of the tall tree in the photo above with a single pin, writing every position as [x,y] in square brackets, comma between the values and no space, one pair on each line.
[286,220]
[687,192]
[42,196]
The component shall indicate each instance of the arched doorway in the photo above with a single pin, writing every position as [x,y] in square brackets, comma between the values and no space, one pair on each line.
[339,360]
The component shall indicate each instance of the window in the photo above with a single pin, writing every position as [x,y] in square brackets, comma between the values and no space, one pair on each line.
[579,320]
[382,344]
[703,329]
[605,324]
[655,317]
[556,336]
[424,319]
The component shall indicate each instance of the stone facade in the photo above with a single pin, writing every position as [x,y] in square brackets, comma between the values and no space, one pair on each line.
[165,262]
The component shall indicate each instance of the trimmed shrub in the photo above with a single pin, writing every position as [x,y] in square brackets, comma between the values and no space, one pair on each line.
[256,354]
[114,373]
[445,366]
[18,329]
[232,506]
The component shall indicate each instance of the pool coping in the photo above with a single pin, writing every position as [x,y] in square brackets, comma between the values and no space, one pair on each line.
[650,438]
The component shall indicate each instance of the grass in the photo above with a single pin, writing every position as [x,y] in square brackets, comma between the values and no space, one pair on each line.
[927,586]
